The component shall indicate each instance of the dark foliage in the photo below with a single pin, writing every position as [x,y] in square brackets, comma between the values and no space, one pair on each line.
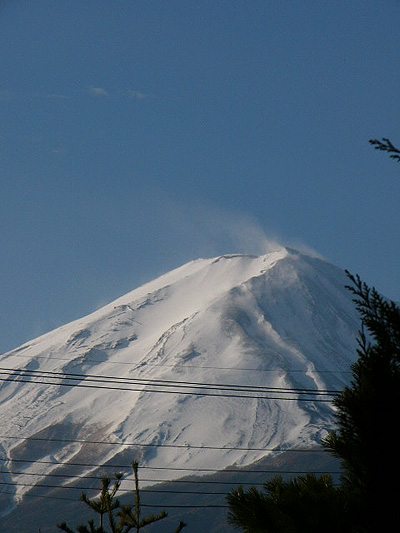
[306,504]
[386,146]
[121,519]
[368,411]
[104,505]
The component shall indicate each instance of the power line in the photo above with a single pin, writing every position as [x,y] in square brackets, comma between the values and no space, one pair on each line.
[144,490]
[153,506]
[163,382]
[139,365]
[44,496]
[126,389]
[161,445]
[168,468]
[232,391]
[96,489]
[177,481]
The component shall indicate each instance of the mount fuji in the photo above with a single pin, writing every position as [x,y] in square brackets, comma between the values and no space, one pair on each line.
[222,363]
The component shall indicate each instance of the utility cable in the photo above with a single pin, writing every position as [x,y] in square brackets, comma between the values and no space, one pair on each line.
[156,382]
[152,480]
[162,445]
[168,468]
[153,506]
[140,365]
[186,393]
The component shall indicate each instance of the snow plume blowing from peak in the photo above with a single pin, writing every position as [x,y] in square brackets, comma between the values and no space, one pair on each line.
[206,231]
[197,230]
[241,234]
[215,232]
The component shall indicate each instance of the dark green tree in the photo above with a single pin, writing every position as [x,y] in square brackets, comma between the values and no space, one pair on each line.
[305,504]
[368,412]
[130,516]
[105,504]
[386,146]
[121,519]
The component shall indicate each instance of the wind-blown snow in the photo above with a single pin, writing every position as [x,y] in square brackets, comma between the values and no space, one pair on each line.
[280,320]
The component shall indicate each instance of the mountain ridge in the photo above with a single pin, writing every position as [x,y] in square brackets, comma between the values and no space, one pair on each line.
[260,330]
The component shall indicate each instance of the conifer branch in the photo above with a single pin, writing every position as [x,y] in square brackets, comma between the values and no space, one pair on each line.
[386,146]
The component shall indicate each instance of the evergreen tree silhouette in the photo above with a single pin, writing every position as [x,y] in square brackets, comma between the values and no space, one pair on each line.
[386,146]
[305,504]
[130,516]
[368,412]
[121,519]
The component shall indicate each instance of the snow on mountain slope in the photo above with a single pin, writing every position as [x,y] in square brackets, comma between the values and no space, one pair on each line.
[179,359]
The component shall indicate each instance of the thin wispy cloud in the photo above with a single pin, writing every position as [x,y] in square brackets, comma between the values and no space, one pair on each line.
[131,94]
[137,95]
[7,95]
[94,91]
[98,92]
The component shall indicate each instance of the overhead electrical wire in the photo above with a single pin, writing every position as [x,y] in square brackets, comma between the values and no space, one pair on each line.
[168,386]
[145,490]
[121,489]
[140,365]
[130,490]
[164,382]
[152,506]
[196,481]
[166,468]
[97,489]
[126,490]
[159,386]
[162,445]
[186,393]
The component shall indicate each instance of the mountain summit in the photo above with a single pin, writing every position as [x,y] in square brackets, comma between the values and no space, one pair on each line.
[216,363]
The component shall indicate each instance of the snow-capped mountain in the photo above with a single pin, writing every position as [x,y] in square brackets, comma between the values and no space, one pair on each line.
[216,363]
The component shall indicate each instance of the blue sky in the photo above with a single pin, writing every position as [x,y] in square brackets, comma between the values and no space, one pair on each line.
[138,135]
